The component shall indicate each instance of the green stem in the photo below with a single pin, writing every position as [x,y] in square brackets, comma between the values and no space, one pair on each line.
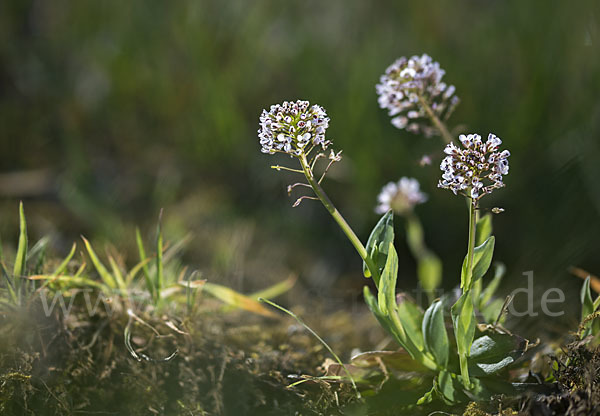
[439,124]
[358,245]
[471,247]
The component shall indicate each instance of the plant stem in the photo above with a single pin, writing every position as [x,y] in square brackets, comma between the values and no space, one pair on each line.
[471,248]
[358,245]
[439,124]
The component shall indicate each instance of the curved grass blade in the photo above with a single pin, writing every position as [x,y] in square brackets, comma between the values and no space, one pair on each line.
[100,268]
[118,275]
[231,297]
[277,289]
[134,271]
[309,329]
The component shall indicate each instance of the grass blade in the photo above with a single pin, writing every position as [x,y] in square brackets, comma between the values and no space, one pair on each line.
[10,284]
[118,275]
[63,266]
[270,292]
[309,329]
[134,271]
[159,283]
[231,297]
[102,271]
[21,258]
[144,261]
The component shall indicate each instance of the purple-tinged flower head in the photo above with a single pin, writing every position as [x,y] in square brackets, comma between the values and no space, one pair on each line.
[292,127]
[401,196]
[476,168]
[408,81]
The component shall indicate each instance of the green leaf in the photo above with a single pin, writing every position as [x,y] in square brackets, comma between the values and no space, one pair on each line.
[449,388]
[587,306]
[387,284]
[399,360]
[393,328]
[374,308]
[484,229]
[9,284]
[144,261]
[21,257]
[482,258]
[231,297]
[61,268]
[100,268]
[378,242]
[494,351]
[429,270]
[464,323]
[434,333]
[160,281]
[411,318]
[269,292]
[118,276]
[63,265]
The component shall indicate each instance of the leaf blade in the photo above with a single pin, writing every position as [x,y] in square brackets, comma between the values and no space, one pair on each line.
[434,333]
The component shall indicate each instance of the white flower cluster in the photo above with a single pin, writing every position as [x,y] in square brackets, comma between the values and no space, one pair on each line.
[476,169]
[401,196]
[291,126]
[407,81]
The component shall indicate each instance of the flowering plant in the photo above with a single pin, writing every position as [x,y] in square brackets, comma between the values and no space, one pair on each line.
[461,364]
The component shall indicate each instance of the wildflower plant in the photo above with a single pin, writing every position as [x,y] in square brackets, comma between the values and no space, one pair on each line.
[462,365]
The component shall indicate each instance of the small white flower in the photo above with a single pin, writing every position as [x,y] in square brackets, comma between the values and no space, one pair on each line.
[477,168]
[289,127]
[401,196]
[404,82]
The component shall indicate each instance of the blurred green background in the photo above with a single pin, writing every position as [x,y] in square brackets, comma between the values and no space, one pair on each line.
[111,110]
